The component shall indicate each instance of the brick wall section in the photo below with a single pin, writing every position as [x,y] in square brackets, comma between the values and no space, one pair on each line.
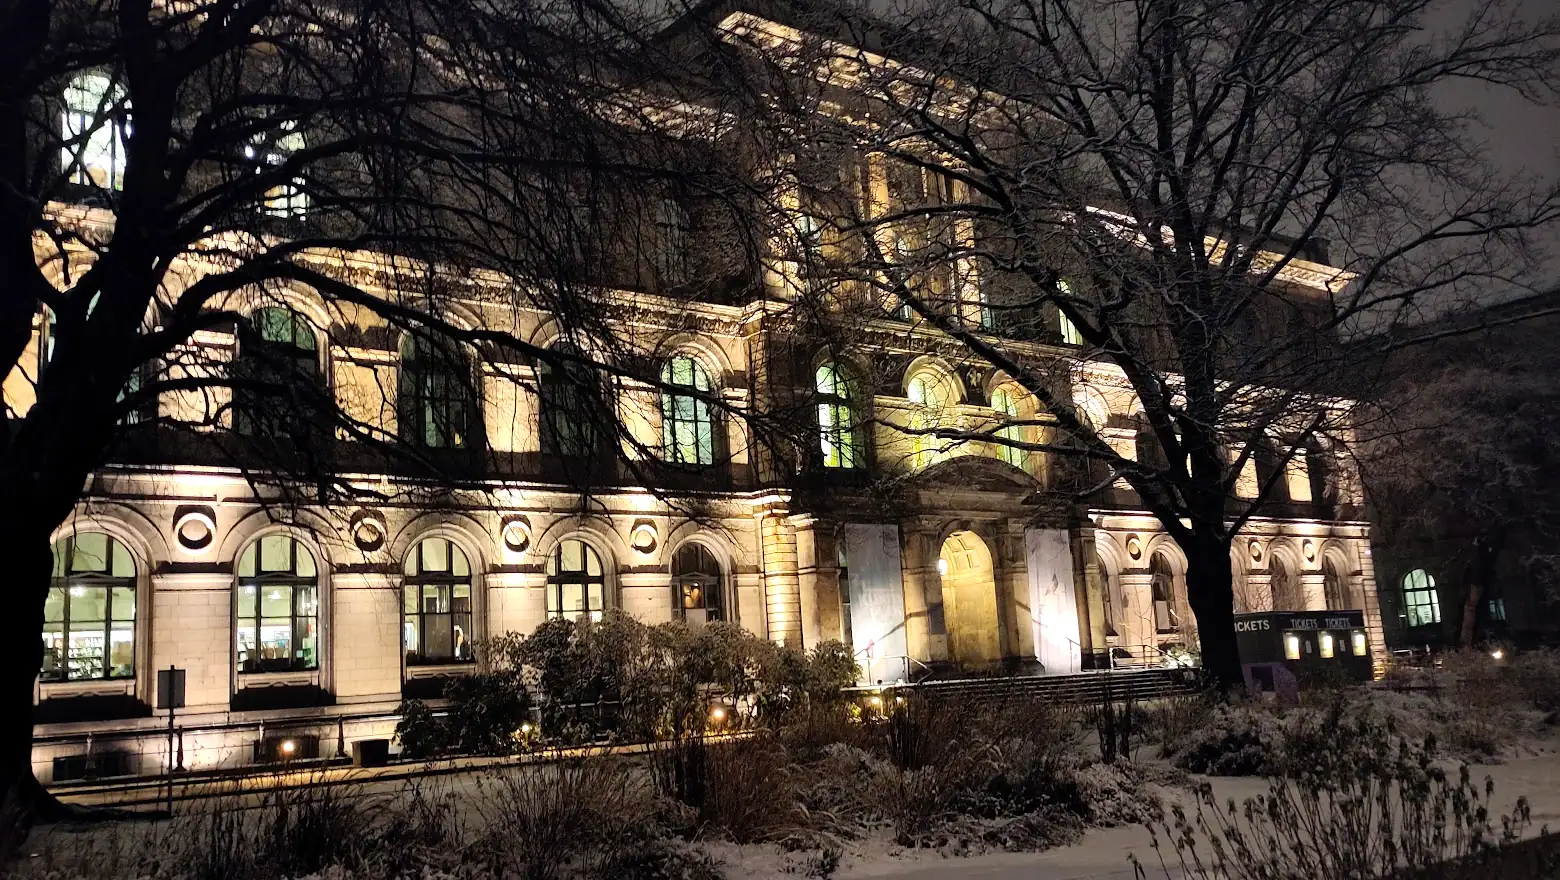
[191,625]
[367,636]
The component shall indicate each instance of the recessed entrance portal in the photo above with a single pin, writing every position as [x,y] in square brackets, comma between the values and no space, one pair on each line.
[969,594]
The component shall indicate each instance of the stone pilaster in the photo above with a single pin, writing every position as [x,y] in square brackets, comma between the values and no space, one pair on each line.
[782,588]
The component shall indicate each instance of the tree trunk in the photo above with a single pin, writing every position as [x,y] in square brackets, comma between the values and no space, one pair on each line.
[21,656]
[1210,591]
[1481,574]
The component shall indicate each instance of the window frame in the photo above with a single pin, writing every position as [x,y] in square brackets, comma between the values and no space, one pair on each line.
[931,393]
[563,396]
[1420,595]
[558,578]
[710,584]
[84,126]
[292,578]
[422,360]
[289,199]
[446,583]
[300,359]
[687,413]
[1004,404]
[839,439]
[71,584]
[1162,594]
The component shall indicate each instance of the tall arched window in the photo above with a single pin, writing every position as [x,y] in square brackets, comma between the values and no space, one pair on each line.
[1421,602]
[277,612]
[279,350]
[931,395]
[1107,598]
[698,586]
[1283,587]
[1064,325]
[837,422]
[94,125]
[571,404]
[437,404]
[1334,586]
[687,422]
[286,198]
[1007,407]
[576,583]
[89,614]
[437,604]
[1162,584]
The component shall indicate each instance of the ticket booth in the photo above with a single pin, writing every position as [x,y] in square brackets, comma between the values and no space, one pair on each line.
[1280,650]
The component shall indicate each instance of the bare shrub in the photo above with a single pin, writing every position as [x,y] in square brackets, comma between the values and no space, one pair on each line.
[741,788]
[1354,800]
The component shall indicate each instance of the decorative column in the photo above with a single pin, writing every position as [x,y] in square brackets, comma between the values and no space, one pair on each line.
[926,628]
[1259,589]
[1137,613]
[777,561]
[807,578]
[1091,588]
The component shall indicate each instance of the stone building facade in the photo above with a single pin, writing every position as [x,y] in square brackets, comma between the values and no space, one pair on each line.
[316,622]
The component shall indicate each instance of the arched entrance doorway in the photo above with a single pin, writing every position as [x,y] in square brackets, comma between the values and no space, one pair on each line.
[969,594]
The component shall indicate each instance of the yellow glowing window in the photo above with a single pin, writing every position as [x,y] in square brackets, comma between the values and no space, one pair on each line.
[1359,644]
[1291,646]
[1326,642]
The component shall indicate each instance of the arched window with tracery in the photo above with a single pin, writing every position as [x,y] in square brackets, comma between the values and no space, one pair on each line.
[277,609]
[1107,597]
[687,419]
[437,396]
[1162,585]
[279,351]
[698,585]
[1006,406]
[931,395]
[1334,586]
[1284,589]
[89,613]
[576,582]
[437,604]
[838,431]
[94,126]
[572,403]
[1421,601]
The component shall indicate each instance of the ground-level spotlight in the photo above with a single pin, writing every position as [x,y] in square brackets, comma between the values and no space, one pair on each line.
[875,701]
[526,727]
[717,714]
[1498,654]
[288,748]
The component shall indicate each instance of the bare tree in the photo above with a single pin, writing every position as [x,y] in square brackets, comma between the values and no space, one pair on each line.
[1197,198]
[168,171]
[1462,474]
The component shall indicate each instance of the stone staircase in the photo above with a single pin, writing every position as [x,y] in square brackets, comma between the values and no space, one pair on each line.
[1077,688]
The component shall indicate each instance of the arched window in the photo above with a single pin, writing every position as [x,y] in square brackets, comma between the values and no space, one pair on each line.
[1162,583]
[437,406]
[837,422]
[94,125]
[286,198]
[673,231]
[1107,597]
[699,589]
[687,423]
[1334,586]
[571,404]
[89,615]
[576,583]
[931,395]
[437,604]
[1421,602]
[1283,587]
[277,611]
[1007,407]
[1064,325]
[278,350]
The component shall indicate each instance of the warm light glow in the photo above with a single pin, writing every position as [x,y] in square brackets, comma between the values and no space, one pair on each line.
[1291,646]
[288,747]
[1359,644]
[1498,654]
[942,565]
[875,700]
[718,714]
[525,728]
[1325,640]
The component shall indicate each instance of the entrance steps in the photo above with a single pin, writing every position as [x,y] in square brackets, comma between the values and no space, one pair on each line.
[1075,688]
